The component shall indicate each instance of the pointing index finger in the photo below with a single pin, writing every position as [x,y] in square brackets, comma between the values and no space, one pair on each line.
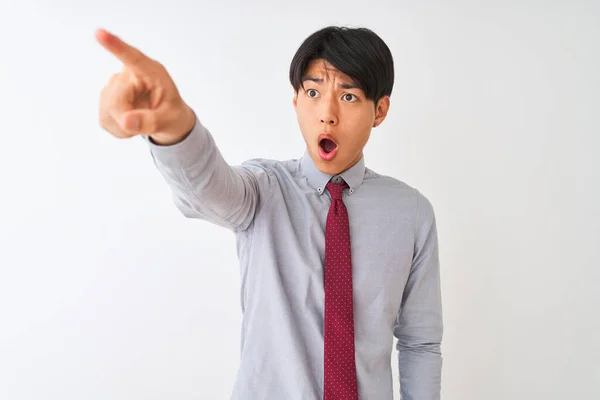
[127,54]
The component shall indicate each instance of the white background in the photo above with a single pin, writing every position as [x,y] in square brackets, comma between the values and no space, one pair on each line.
[107,292]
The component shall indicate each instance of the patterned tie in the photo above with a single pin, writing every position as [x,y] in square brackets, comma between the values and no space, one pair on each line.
[340,367]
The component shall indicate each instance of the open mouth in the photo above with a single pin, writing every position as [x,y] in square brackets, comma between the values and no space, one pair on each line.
[327,145]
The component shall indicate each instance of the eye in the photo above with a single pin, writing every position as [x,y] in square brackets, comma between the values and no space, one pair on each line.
[312,93]
[349,98]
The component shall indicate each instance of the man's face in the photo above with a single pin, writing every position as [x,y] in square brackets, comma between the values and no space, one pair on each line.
[335,117]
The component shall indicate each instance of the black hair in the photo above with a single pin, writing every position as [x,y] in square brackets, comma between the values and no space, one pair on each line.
[357,52]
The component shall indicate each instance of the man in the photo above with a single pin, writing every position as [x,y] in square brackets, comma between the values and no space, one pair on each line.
[335,259]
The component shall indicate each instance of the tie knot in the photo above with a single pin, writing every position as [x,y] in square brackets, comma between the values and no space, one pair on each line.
[336,189]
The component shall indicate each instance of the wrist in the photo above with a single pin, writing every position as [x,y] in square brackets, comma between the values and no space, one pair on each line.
[186,123]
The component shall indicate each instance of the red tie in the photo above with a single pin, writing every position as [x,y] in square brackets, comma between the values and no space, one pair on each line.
[340,367]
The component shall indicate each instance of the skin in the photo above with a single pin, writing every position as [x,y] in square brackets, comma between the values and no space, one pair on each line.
[330,102]
[142,99]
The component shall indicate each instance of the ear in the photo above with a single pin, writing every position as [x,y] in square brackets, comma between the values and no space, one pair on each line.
[295,100]
[381,111]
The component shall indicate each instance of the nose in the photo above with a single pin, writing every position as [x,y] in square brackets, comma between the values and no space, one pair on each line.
[328,121]
[328,114]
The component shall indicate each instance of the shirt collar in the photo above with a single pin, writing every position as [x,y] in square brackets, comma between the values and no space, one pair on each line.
[353,176]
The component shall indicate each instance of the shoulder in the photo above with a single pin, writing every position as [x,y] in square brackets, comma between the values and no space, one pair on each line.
[274,167]
[402,193]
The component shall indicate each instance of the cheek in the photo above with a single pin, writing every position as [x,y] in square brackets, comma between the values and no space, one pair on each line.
[303,124]
[358,125]
[304,117]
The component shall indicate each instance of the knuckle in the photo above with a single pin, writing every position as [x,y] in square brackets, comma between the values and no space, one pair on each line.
[161,69]
[159,65]
[127,72]
[105,121]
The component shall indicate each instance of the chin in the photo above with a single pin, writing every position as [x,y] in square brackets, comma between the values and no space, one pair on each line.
[328,167]
[334,166]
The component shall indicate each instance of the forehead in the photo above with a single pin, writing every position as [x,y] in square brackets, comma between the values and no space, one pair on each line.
[323,69]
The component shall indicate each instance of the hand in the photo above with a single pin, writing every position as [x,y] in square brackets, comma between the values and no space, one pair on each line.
[142,98]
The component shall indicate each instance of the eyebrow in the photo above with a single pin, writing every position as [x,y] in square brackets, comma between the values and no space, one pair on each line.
[342,85]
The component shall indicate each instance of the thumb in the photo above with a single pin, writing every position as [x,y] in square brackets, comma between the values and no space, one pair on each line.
[140,122]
